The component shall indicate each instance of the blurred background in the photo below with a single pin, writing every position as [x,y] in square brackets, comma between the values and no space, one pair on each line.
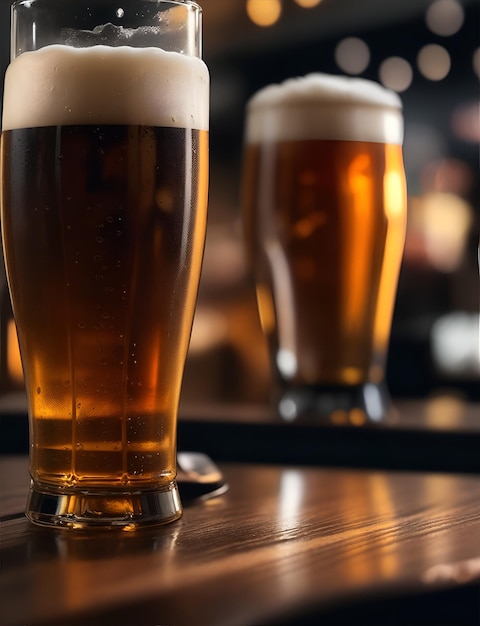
[429,52]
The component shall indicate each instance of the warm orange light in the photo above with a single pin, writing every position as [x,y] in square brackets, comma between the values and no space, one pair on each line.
[360,196]
[264,12]
[307,4]
[395,206]
[266,308]
[14,363]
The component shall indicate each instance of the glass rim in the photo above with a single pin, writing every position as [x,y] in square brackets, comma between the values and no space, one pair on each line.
[191,3]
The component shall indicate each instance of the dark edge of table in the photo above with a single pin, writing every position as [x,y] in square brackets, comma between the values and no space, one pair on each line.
[386,447]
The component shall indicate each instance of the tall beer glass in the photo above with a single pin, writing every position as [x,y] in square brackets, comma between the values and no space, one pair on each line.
[104,194]
[325,214]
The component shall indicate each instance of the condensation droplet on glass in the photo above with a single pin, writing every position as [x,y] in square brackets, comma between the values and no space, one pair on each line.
[39,390]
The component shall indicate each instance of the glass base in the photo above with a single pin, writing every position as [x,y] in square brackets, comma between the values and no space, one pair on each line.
[92,509]
[354,405]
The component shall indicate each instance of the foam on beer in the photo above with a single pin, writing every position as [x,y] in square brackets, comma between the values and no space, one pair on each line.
[61,85]
[322,106]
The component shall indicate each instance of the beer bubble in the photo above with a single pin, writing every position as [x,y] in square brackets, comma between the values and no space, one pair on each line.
[79,446]
[99,239]
[82,324]
[120,12]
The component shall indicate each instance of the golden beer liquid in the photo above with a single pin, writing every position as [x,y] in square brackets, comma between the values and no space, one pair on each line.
[104,231]
[104,242]
[325,227]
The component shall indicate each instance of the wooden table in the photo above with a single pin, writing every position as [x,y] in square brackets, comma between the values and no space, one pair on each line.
[284,545]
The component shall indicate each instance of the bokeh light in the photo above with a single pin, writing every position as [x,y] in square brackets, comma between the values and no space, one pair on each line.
[445,17]
[466,121]
[434,62]
[352,55]
[264,12]
[308,4]
[396,73]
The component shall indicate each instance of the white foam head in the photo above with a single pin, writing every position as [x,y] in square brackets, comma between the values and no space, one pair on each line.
[60,85]
[321,106]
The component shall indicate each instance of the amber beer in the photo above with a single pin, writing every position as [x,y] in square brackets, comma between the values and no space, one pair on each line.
[105,169]
[325,210]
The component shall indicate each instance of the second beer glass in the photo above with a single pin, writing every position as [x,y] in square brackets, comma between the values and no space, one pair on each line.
[325,213]
[104,199]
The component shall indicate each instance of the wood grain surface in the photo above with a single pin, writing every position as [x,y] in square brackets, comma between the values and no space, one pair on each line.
[283,542]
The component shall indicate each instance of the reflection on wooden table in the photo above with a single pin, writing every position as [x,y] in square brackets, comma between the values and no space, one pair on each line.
[284,545]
